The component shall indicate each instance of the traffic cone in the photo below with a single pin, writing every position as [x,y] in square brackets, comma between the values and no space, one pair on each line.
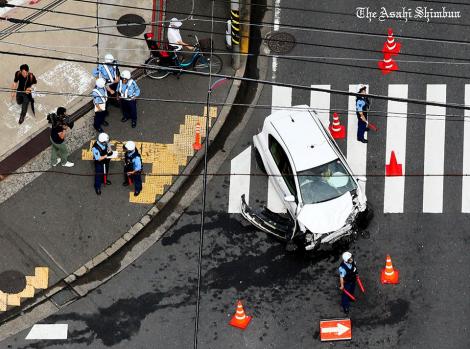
[387,65]
[197,142]
[240,320]
[390,46]
[393,168]
[337,130]
[389,275]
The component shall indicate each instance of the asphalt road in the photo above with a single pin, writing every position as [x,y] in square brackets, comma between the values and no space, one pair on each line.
[152,303]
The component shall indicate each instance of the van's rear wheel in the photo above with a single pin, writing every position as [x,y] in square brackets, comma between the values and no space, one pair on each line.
[259,161]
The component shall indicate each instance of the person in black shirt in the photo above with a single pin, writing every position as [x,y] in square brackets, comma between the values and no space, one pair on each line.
[59,153]
[22,83]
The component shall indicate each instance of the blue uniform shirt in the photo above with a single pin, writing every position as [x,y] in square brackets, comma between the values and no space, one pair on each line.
[101,72]
[96,153]
[342,272]
[136,162]
[97,99]
[128,90]
[360,104]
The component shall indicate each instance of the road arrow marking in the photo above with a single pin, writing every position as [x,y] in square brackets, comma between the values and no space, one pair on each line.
[48,331]
[339,329]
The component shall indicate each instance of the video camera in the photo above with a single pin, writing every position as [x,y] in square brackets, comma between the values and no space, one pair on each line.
[60,118]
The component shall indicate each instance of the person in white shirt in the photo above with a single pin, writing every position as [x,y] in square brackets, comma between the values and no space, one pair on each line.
[174,37]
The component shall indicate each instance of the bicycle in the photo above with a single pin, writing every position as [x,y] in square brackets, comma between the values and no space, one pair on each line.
[160,57]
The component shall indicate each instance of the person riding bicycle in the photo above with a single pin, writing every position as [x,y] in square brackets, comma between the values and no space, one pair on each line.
[175,41]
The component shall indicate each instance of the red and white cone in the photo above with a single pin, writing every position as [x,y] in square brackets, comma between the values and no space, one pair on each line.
[391,46]
[337,130]
[387,65]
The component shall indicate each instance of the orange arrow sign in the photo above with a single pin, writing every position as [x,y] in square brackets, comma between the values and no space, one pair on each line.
[335,330]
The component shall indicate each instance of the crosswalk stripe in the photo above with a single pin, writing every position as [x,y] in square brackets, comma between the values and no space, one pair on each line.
[275,203]
[394,192]
[240,167]
[356,152]
[281,97]
[434,142]
[48,331]
[466,154]
[321,102]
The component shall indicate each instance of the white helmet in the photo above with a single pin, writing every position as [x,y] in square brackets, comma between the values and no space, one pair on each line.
[346,256]
[130,146]
[103,138]
[175,23]
[126,74]
[100,83]
[108,58]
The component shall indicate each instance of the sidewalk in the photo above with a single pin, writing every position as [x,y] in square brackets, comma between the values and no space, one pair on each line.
[58,222]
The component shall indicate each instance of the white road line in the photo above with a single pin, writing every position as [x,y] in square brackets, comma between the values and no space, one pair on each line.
[281,98]
[394,193]
[321,102]
[466,155]
[433,186]
[356,151]
[48,331]
[240,167]
[277,21]
[275,203]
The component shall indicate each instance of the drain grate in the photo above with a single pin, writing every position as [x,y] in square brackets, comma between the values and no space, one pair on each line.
[64,296]
[280,42]
[137,28]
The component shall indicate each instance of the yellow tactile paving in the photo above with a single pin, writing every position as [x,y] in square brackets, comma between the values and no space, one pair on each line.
[164,158]
[40,280]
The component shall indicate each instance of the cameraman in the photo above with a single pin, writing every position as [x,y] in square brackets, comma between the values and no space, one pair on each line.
[59,153]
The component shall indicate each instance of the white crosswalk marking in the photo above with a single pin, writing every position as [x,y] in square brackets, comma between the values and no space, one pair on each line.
[356,152]
[433,183]
[275,203]
[321,102]
[48,331]
[394,192]
[281,97]
[240,167]
[466,155]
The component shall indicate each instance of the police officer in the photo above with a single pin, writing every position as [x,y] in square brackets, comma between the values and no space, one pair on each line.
[132,167]
[101,151]
[362,106]
[127,92]
[100,97]
[347,279]
[110,73]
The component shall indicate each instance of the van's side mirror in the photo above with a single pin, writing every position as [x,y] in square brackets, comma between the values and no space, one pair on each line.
[289,198]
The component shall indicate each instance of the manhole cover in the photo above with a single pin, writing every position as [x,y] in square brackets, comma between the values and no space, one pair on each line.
[136,28]
[280,42]
[12,281]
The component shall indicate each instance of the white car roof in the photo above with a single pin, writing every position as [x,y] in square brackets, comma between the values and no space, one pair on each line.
[302,137]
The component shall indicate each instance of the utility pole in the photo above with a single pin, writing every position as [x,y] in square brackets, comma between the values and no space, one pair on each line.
[235,20]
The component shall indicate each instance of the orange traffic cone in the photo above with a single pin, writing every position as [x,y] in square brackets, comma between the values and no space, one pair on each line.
[389,275]
[387,65]
[337,130]
[390,46]
[393,168]
[240,320]
[197,142]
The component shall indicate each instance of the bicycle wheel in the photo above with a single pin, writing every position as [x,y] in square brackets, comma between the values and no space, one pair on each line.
[206,64]
[152,72]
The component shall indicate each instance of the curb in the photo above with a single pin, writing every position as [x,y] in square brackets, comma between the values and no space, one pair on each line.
[65,285]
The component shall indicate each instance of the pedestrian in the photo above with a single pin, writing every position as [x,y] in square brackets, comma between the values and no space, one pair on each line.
[59,153]
[100,96]
[101,154]
[127,93]
[109,71]
[347,279]
[132,167]
[362,107]
[23,84]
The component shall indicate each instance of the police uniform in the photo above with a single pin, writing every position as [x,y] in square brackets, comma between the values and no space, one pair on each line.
[128,92]
[348,272]
[133,162]
[362,105]
[100,98]
[109,72]
[101,167]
